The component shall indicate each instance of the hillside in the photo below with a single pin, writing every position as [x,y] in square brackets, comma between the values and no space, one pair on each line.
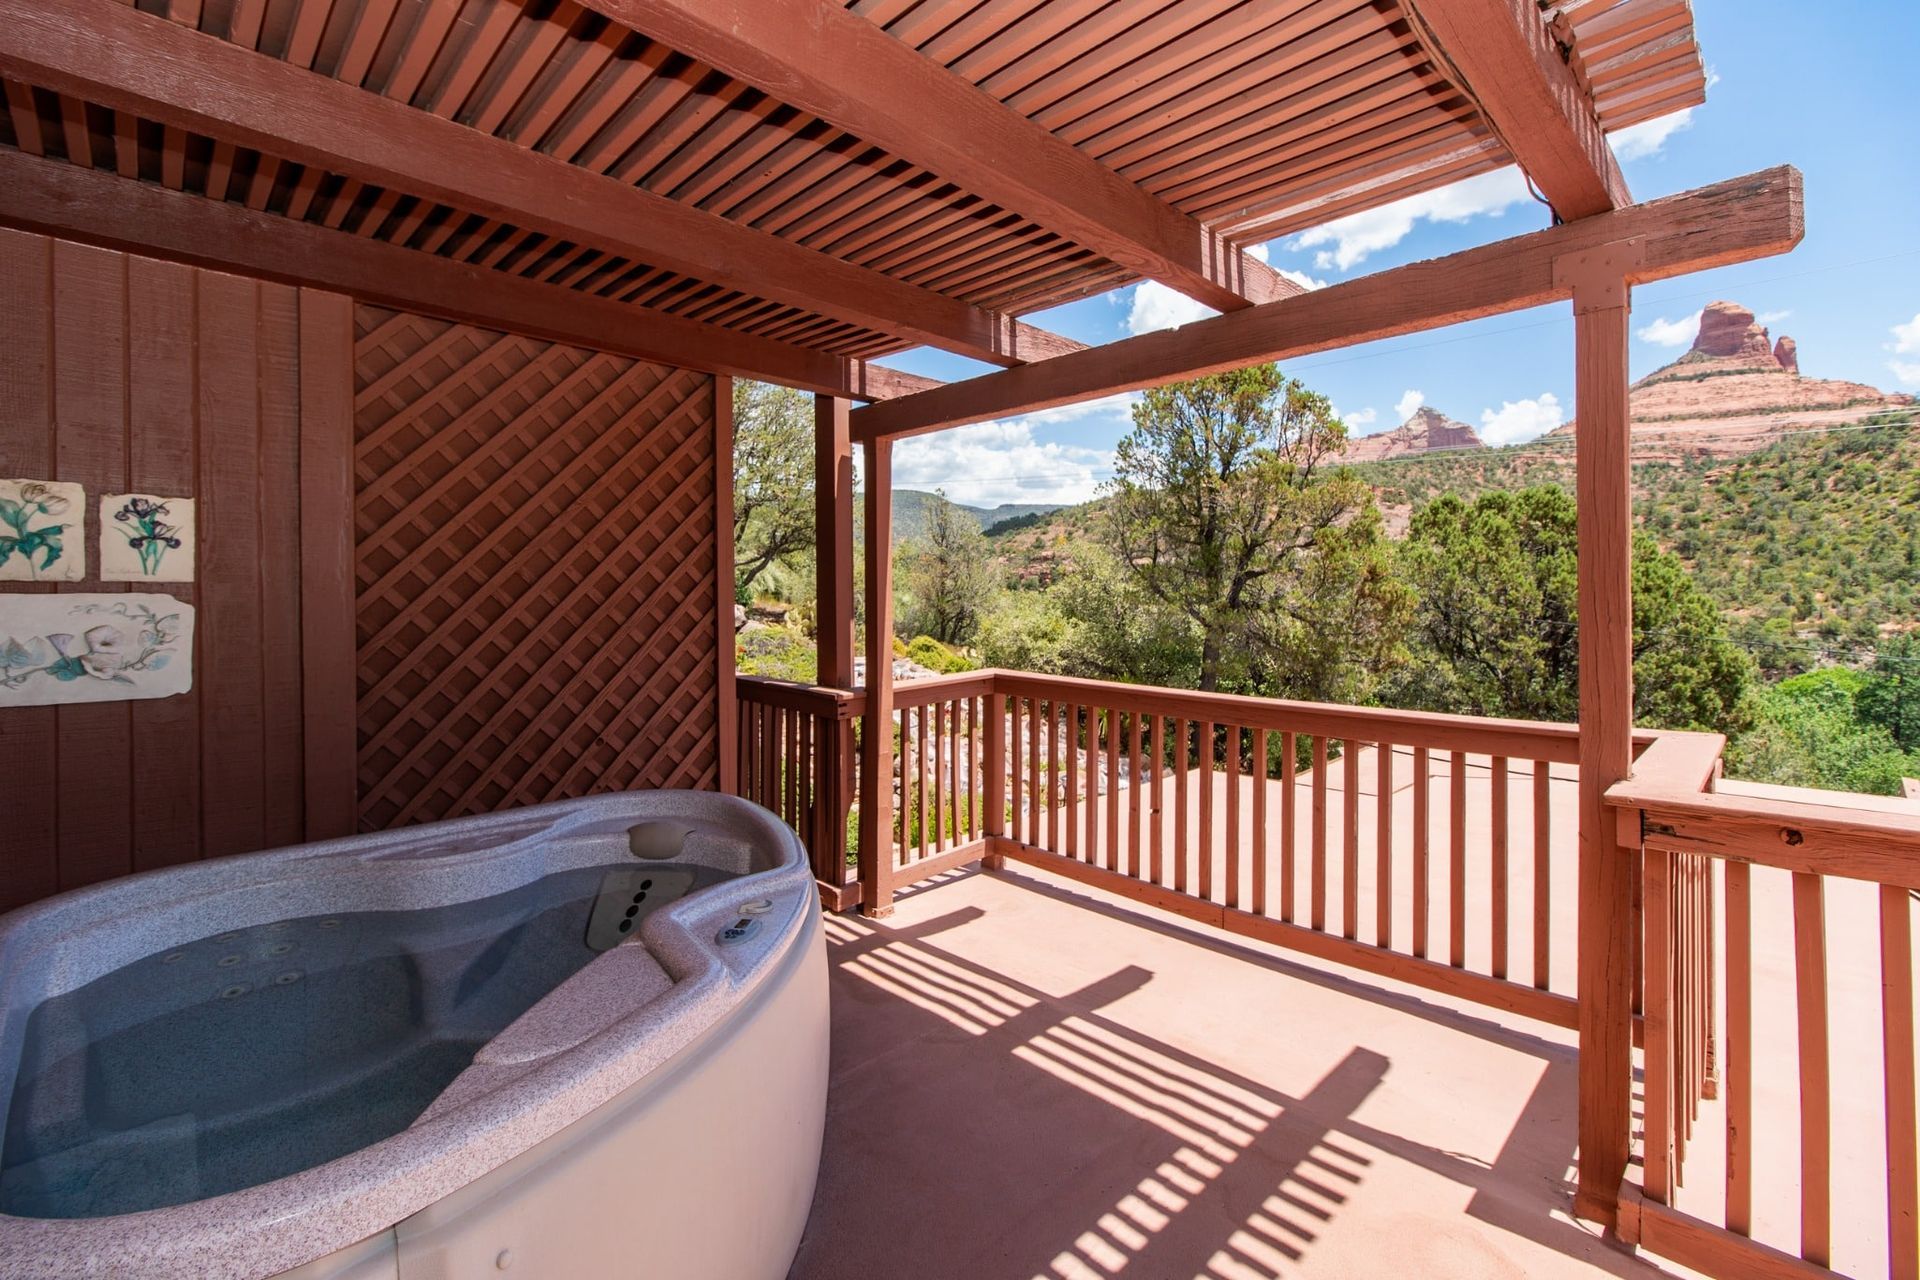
[910,508]
[1425,430]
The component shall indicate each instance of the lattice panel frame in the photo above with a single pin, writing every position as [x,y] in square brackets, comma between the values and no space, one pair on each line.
[535,564]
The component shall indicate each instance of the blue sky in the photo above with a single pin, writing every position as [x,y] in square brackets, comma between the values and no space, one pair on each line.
[1823,87]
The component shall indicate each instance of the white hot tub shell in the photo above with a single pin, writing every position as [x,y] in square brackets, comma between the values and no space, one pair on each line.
[658,1113]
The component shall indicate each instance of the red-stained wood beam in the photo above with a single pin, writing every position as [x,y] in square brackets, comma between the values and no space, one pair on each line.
[1734,221]
[98,207]
[1500,53]
[116,56]
[825,59]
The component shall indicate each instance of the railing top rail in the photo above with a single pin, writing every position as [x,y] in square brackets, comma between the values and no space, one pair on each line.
[1521,739]
[1825,839]
[930,689]
[815,699]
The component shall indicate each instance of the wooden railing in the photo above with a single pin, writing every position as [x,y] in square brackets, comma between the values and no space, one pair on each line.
[1819,897]
[799,756]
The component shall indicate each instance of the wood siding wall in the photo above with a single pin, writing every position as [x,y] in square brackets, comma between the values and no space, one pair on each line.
[441,569]
[124,374]
[539,564]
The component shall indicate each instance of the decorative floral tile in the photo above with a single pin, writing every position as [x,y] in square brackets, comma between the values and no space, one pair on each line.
[84,647]
[42,538]
[146,538]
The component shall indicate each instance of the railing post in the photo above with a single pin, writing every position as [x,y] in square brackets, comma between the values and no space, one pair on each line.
[994,765]
[1598,282]
[876,780]
[833,621]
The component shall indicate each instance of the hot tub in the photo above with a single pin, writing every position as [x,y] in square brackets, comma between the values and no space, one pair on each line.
[583,1039]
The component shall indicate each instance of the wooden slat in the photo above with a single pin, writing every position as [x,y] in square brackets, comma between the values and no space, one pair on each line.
[1070,783]
[1542,875]
[101,208]
[1903,1138]
[1092,772]
[1457,860]
[1289,819]
[837,65]
[216,89]
[1350,839]
[1659,1081]
[1422,906]
[1133,797]
[1739,1061]
[1383,845]
[1498,779]
[1258,846]
[1317,881]
[1816,1096]
[1157,746]
[1114,733]
[1183,769]
[1746,218]
[1232,835]
[1504,57]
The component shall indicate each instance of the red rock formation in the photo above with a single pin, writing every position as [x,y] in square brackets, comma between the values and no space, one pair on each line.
[1425,430]
[1728,331]
[1786,354]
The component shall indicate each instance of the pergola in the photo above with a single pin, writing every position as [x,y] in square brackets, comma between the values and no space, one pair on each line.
[793,190]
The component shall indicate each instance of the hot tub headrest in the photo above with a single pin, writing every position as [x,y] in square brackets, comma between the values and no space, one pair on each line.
[657,840]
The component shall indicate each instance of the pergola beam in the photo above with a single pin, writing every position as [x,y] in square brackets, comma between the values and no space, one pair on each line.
[825,59]
[116,56]
[1735,221]
[97,207]
[1502,56]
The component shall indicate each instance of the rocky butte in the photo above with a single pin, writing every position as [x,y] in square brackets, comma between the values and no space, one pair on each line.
[1424,431]
[1736,390]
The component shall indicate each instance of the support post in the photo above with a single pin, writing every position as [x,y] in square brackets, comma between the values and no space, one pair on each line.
[727,730]
[876,777]
[833,540]
[993,766]
[1598,280]
[833,623]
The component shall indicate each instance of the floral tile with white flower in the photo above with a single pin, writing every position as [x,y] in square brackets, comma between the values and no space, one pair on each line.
[42,533]
[86,647]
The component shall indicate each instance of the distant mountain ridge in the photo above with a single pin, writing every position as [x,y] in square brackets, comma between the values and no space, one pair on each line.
[910,508]
[1425,429]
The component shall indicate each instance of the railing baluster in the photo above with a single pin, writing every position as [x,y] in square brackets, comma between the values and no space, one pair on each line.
[1156,767]
[1542,875]
[1181,769]
[1896,1021]
[1739,1064]
[1421,825]
[1317,876]
[1349,839]
[1232,841]
[1499,783]
[1037,717]
[938,728]
[1457,861]
[794,720]
[1659,1074]
[1206,810]
[920,774]
[1092,772]
[1259,843]
[1070,780]
[1114,732]
[1816,1119]
[1133,799]
[1383,844]
[1289,819]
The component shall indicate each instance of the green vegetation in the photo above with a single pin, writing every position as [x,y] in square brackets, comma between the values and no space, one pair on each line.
[1777,594]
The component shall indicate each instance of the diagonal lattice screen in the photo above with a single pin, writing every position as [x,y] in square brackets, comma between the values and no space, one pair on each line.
[534,555]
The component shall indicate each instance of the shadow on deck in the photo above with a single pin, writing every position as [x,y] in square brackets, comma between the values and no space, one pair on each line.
[1035,1080]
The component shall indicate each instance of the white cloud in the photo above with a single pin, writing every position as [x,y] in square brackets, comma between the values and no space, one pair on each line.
[1157,307]
[993,462]
[1355,237]
[1154,306]
[1671,333]
[1906,342]
[1403,407]
[1363,418]
[1517,420]
[1773,317]
[1639,141]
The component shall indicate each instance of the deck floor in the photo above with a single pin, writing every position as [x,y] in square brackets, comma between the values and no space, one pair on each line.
[1032,1079]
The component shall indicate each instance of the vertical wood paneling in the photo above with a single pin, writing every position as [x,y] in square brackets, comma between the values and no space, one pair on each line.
[29,838]
[90,448]
[326,562]
[163,454]
[125,374]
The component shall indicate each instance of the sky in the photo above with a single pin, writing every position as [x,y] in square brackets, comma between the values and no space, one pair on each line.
[1824,87]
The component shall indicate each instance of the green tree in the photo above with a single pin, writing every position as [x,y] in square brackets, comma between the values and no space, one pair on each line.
[1496,627]
[772,477]
[1808,732]
[1227,508]
[1890,694]
[946,576]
